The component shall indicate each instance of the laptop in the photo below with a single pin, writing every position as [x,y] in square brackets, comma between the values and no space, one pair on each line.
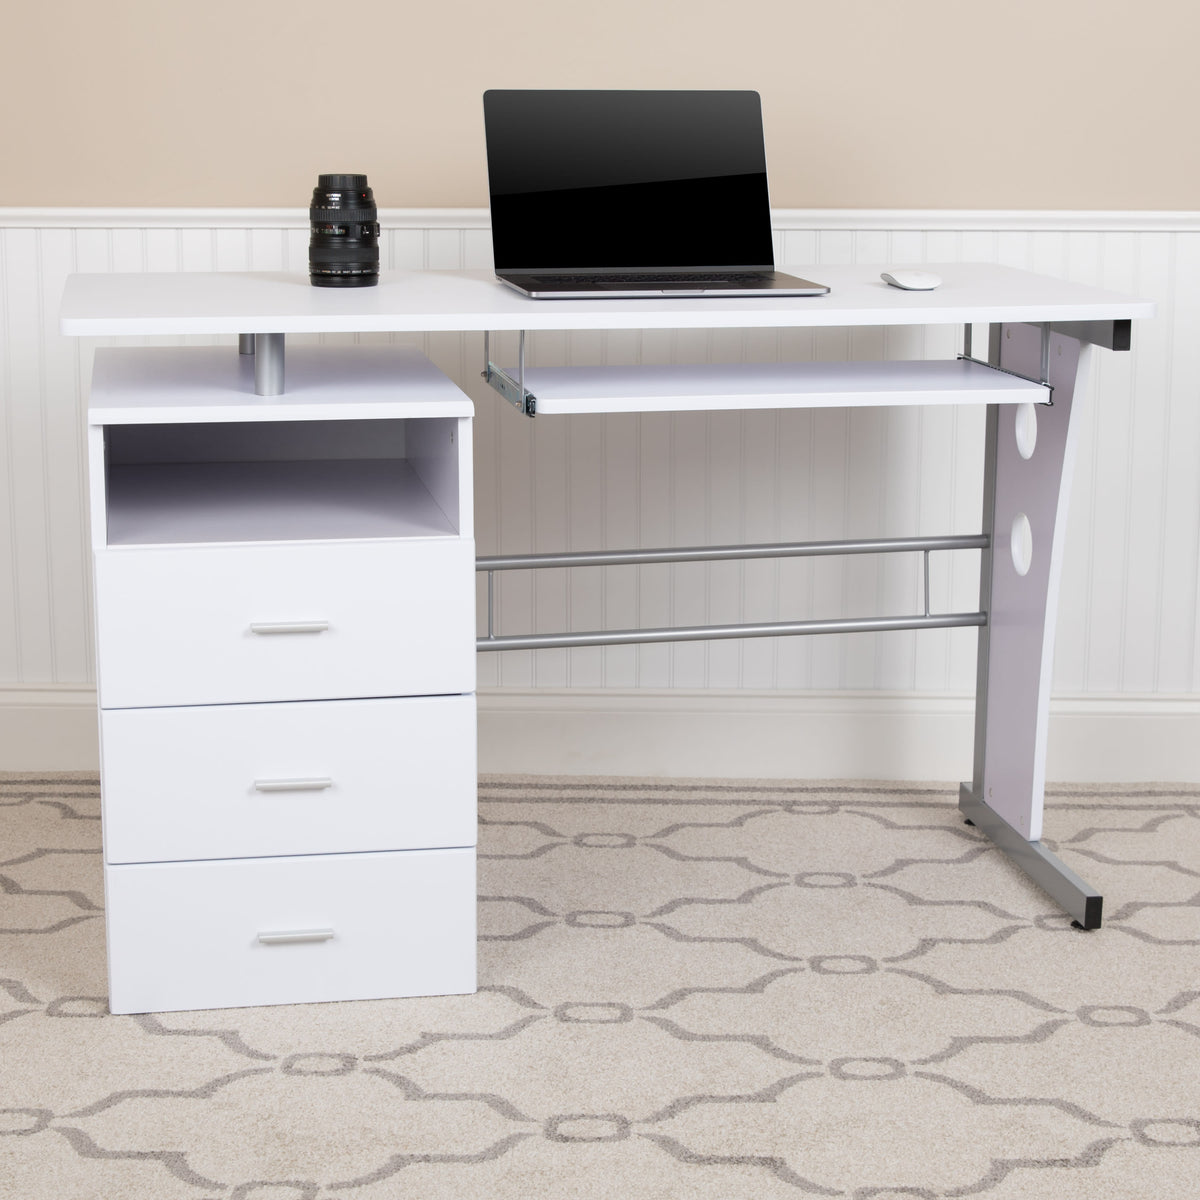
[628,194]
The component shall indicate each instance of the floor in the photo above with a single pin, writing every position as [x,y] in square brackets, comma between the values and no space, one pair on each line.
[702,989]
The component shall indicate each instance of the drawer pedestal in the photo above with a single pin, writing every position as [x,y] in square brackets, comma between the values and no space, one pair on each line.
[285,633]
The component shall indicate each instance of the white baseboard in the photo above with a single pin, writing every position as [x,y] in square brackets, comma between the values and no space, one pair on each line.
[723,735]
[730,735]
[48,727]
[823,735]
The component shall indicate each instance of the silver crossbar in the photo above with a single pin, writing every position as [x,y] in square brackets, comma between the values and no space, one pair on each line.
[489,564]
[629,637]
[623,558]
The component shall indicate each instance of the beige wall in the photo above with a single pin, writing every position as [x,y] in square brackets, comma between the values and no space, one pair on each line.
[1059,104]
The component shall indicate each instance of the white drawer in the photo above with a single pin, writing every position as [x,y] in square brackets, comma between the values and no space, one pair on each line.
[230,624]
[249,780]
[366,926]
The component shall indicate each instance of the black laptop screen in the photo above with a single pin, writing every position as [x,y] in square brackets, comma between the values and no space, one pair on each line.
[627,180]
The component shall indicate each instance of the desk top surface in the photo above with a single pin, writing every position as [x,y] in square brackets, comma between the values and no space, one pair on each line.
[134,305]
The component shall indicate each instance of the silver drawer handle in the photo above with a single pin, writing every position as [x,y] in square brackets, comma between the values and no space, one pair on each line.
[284,937]
[268,627]
[292,785]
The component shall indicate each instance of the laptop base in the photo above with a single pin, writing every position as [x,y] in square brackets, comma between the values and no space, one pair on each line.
[550,287]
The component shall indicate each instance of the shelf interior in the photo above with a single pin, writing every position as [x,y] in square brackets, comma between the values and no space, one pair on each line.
[282,481]
[178,503]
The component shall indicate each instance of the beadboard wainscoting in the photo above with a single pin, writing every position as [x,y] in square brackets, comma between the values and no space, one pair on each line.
[1127,666]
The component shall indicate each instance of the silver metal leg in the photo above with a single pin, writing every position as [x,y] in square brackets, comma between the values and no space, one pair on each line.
[268,364]
[245,343]
[1027,479]
[1074,895]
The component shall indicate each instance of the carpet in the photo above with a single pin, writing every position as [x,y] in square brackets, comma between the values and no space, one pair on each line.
[705,989]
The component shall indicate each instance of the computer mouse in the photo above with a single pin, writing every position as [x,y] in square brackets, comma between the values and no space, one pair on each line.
[911,280]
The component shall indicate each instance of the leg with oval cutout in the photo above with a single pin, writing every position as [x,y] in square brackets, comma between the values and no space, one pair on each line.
[1029,457]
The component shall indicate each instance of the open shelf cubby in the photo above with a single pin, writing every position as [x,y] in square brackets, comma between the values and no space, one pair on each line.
[271,481]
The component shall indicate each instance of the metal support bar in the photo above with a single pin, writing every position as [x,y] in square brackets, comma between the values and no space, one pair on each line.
[245,343]
[983,656]
[625,637]
[268,364]
[513,390]
[1075,896]
[620,558]
[694,633]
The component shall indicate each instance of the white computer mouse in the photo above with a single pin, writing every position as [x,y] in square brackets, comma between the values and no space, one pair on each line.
[911,280]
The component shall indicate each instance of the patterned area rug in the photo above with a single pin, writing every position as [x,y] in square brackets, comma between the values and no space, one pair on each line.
[718,991]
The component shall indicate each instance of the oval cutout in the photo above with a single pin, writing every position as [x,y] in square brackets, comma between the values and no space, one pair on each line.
[1025,427]
[1021,544]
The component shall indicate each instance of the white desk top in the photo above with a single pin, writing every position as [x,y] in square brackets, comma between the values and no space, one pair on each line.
[137,305]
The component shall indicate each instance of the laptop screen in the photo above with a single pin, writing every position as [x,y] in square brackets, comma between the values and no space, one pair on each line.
[627,181]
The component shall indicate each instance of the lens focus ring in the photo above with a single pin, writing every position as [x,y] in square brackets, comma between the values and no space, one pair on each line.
[326,212]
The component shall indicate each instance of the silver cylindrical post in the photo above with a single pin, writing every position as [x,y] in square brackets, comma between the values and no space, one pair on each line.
[268,364]
[245,343]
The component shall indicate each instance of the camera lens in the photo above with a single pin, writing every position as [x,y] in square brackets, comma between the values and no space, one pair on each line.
[343,249]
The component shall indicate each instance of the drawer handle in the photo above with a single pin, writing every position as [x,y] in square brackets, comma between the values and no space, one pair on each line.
[286,937]
[272,627]
[292,785]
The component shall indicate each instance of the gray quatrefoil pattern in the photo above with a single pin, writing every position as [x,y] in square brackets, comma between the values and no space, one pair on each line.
[709,990]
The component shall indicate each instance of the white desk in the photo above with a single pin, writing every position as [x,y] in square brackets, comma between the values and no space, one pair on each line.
[179,303]
[1041,334]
